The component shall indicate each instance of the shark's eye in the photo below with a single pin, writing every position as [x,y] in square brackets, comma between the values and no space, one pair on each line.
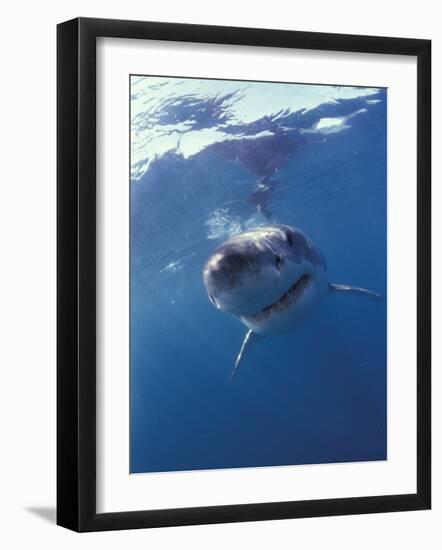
[278,261]
[289,238]
[212,299]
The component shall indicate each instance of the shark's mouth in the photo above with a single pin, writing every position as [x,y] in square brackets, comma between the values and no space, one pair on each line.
[290,297]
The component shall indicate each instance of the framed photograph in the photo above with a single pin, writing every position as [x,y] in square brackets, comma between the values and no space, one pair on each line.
[243,274]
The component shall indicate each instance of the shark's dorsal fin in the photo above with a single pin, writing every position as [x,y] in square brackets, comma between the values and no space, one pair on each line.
[249,337]
[357,290]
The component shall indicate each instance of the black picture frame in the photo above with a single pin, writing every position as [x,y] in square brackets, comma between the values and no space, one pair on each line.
[77,288]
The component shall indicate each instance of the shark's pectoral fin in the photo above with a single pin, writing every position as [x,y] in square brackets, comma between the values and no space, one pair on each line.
[249,338]
[356,290]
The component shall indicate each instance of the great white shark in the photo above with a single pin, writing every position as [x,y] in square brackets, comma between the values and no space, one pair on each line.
[271,278]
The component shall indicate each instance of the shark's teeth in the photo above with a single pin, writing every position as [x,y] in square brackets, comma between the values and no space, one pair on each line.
[290,297]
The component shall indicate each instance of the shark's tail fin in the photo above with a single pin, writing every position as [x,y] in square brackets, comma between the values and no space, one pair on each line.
[356,290]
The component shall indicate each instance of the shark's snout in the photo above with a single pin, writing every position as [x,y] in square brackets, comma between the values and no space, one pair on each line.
[225,269]
[228,277]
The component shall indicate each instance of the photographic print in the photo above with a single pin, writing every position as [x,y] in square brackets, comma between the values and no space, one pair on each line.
[258,245]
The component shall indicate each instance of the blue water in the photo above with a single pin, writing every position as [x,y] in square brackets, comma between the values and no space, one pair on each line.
[316,395]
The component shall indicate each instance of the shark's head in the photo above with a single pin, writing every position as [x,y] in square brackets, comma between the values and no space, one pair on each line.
[268,277]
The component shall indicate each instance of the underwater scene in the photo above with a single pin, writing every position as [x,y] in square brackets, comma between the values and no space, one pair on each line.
[258,307]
